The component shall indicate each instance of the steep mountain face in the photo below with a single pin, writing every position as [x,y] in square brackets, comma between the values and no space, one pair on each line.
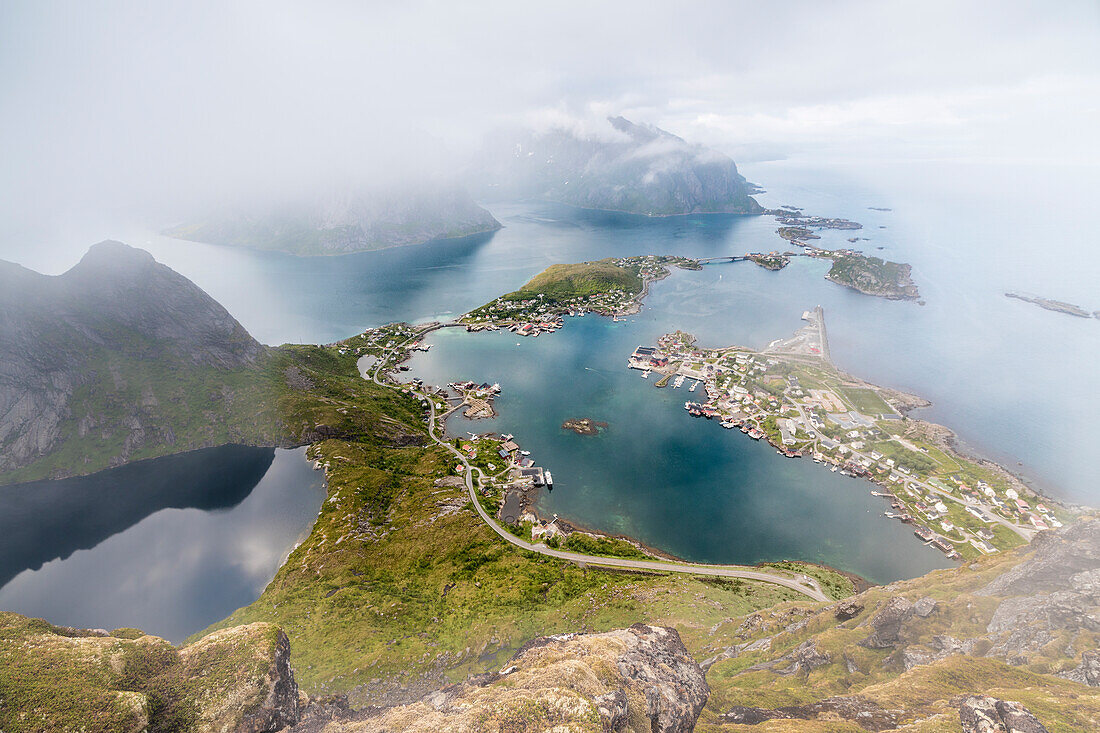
[629,167]
[347,222]
[118,358]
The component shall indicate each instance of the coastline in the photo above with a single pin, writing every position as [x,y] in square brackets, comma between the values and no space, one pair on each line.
[931,434]
[308,255]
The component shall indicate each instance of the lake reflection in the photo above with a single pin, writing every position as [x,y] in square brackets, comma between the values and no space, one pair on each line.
[169,545]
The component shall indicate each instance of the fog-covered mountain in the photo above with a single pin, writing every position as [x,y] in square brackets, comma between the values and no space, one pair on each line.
[119,358]
[346,221]
[626,167]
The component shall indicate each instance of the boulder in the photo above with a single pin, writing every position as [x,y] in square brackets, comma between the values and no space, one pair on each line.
[848,609]
[1088,671]
[924,607]
[984,714]
[887,623]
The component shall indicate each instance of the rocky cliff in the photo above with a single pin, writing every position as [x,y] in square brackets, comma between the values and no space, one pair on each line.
[350,221]
[623,167]
[118,358]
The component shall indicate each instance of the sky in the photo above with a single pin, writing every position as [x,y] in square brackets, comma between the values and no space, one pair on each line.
[127,108]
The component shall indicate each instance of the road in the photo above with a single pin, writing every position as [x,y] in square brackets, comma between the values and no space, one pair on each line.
[802,584]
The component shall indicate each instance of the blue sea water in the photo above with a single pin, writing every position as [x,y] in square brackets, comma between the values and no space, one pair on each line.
[1016,382]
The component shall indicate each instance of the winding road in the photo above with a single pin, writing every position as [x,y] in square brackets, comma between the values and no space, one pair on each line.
[800,583]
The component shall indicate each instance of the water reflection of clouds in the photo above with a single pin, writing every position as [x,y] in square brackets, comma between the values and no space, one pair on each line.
[178,570]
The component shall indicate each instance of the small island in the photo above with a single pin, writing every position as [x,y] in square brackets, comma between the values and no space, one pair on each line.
[873,276]
[771,260]
[584,425]
[795,235]
[1058,306]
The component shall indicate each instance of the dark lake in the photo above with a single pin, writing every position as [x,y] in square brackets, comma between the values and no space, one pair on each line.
[168,545]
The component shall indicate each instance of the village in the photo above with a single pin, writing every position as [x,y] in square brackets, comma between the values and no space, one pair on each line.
[539,308]
[791,396]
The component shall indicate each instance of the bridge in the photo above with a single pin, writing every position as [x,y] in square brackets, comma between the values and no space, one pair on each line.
[745,257]
[712,260]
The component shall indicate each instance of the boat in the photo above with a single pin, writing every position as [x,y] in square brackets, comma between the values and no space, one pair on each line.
[833,469]
[525,452]
[645,374]
[549,480]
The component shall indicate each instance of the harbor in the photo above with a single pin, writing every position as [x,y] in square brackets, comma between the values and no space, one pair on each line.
[790,395]
[685,488]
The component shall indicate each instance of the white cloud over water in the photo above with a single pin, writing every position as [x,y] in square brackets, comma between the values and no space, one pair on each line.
[132,105]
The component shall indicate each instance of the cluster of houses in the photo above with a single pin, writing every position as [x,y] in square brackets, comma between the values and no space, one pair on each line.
[541,314]
[744,390]
[534,316]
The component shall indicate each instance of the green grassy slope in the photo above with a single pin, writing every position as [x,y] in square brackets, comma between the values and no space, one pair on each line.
[560,282]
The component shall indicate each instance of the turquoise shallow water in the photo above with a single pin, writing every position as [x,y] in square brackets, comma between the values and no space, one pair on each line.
[681,484]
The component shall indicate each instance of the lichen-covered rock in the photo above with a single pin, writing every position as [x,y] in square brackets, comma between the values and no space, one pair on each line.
[887,623]
[983,714]
[924,607]
[1054,593]
[613,708]
[1055,558]
[638,679]
[236,680]
[59,678]
[864,713]
[242,680]
[848,609]
[1088,672]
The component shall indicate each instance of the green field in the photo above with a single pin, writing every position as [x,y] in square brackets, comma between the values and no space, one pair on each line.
[865,400]
[561,282]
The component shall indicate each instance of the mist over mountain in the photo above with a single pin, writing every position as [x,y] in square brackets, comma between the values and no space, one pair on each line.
[640,169]
[118,358]
[345,220]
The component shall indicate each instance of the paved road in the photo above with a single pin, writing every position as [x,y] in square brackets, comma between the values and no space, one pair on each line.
[804,584]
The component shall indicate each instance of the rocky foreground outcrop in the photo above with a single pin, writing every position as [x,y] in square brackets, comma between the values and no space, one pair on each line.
[236,680]
[638,679]
[1007,643]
